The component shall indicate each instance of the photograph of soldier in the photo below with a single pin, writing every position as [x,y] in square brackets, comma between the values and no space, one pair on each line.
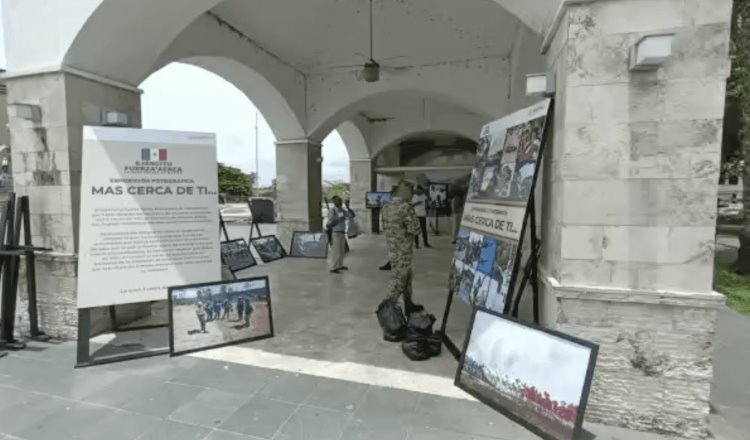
[236,255]
[401,225]
[480,289]
[376,200]
[439,202]
[309,244]
[269,248]
[210,315]
[502,271]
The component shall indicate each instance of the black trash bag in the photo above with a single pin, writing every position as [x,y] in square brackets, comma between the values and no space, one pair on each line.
[434,344]
[415,350]
[421,342]
[421,322]
[391,320]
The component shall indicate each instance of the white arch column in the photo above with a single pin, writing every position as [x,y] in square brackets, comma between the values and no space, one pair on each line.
[299,180]
[629,214]
[46,164]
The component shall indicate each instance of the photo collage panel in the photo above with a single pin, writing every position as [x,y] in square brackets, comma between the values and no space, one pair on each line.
[482,269]
[507,163]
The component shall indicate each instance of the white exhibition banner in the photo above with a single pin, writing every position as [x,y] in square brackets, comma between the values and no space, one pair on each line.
[149,214]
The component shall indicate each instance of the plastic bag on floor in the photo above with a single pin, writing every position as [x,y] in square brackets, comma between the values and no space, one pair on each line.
[421,322]
[391,320]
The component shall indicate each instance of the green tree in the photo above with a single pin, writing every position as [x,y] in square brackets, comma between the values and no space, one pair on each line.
[336,189]
[738,93]
[234,183]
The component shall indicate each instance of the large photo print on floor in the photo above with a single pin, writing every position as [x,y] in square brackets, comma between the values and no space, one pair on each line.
[215,314]
[537,377]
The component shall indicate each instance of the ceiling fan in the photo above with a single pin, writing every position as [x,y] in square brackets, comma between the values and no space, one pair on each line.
[370,71]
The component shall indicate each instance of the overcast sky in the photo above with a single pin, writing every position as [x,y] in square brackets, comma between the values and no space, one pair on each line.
[183,97]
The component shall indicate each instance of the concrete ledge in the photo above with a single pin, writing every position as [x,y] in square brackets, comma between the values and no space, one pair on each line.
[617,294]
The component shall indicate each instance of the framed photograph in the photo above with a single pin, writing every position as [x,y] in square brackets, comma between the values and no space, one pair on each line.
[376,200]
[269,248]
[308,244]
[440,203]
[236,255]
[210,315]
[539,378]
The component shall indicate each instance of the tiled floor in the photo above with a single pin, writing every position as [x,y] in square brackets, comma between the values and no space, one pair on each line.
[354,386]
[42,398]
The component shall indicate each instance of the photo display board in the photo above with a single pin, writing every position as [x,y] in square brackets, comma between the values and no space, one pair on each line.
[376,200]
[485,263]
[269,248]
[538,378]
[210,315]
[306,244]
[149,214]
[236,255]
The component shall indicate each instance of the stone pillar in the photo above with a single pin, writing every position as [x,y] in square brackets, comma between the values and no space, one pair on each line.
[362,180]
[46,159]
[629,214]
[299,180]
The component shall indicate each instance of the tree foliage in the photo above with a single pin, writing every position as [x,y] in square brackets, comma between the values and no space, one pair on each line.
[340,189]
[233,183]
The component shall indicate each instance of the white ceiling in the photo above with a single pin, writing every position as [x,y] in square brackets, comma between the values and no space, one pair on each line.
[315,35]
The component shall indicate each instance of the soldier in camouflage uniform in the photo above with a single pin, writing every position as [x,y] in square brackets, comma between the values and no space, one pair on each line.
[401,225]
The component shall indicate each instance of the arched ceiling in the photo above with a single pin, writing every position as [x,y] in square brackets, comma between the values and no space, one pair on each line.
[316,35]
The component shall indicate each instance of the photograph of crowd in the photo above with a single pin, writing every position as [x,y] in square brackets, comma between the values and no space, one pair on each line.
[236,255]
[269,248]
[309,244]
[215,314]
[376,200]
[507,162]
[537,377]
[482,269]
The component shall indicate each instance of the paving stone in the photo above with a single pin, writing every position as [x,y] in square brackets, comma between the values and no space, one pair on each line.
[123,390]
[168,430]
[223,435]
[426,433]
[232,378]
[359,432]
[386,407]
[314,424]
[259,417]
[468,417]
[287,387]
[27,410]
[337,395]
[73,420]
[210,408]
[162,400]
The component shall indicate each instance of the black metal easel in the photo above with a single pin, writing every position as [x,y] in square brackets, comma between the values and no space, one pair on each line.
[530,272]
[16,215]
[223,228]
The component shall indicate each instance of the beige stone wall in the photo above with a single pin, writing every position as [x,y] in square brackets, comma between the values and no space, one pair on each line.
[299,189]
[46,161]
[630,185]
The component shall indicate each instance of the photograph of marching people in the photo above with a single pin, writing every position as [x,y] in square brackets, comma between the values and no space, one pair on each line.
[214,314]
[376,200]
[309,244]
[539,378]
[269,248]
[236,255]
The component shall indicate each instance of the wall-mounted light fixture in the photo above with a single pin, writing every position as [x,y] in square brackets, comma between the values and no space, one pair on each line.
[540,84]
[114,118]
[651,51]
[29,112]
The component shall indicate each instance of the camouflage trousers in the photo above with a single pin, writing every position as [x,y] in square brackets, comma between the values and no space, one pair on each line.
[401,277]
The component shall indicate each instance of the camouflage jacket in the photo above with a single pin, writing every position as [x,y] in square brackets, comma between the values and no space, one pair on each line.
[400,224]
